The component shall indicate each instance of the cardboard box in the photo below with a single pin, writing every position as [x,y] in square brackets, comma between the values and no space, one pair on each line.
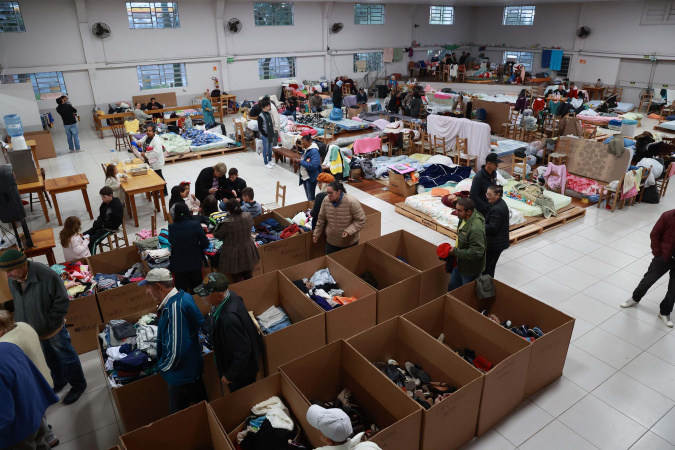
[233,411]
[373,227]
[284,253]
[399,186]
[124,300]
[308,329]
[355,111]
[347,320]
[504,384]
[322,375]
[548,352]
[422,256]
[45,144]
[452,422]
[146,400]
[398,289]
[194,428]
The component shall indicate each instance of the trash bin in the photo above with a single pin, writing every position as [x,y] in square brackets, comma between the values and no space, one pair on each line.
[382,91]
[628,127]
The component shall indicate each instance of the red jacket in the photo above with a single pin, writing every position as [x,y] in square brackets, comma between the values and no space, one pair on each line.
[663,235]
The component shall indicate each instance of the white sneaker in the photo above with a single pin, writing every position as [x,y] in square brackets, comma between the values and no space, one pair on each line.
[628,303]
[269,166]
[666,320]
[272,163]
[79,151]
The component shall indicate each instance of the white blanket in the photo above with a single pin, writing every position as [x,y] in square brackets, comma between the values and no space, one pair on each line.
[476,133]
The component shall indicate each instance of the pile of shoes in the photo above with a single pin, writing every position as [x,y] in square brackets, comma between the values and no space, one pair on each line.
[416,382]
[468,355]
[312,120]
[524,331]
[345,401]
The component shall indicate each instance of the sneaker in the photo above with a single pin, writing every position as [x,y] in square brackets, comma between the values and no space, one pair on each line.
[628,303]
[269,166]
[272,163]
[666,320]
[53,443]
[72,396]
[79,150]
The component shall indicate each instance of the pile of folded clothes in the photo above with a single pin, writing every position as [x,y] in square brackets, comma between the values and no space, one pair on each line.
[269,426]
[271,231]
[416,382]
[157,259]
[323,290]
[273,319]
[524,331]
[302,218]
[479,362]
[346,402]
[77,278]
[105,282]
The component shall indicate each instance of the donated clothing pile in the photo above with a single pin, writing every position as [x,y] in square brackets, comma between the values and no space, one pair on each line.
[268,427]
[77,278]
[415,382]
[271,231]
[199,137]
[105,281]
[157,259]
[323,290]
[302,218]
[273,319]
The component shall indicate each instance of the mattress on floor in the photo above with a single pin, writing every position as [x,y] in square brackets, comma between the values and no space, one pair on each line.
[434,208]
[668,125]
[349,140]
[350,125]
[620,106]
[508,146]
[223,142]
[559,201]
[596,119]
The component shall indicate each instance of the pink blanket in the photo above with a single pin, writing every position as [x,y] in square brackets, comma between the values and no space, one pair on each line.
[367,145]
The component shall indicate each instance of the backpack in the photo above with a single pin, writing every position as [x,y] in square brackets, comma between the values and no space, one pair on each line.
[336,114]
[368,169]
[215,93]
[481,114]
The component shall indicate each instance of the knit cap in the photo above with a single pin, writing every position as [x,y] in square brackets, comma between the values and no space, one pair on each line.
[12,259]
[325,178]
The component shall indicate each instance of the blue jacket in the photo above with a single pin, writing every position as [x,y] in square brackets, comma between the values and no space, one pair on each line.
[24,396]
[179,356]
[314,165]
[188,241]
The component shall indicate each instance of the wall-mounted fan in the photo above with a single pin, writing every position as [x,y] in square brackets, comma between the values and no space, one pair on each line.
[101,30]
[583,32]
[234,26]
[337,27]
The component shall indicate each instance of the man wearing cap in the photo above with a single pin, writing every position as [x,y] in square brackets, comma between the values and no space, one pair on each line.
[179,355]
[41,300]
[485,178]
[335,428]
[237,344]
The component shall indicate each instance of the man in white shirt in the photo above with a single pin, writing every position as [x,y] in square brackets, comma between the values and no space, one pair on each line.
[153,147]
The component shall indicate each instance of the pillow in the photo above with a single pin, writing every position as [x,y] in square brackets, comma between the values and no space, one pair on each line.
[420,157]
[441,159]
[439,192]
[464,185]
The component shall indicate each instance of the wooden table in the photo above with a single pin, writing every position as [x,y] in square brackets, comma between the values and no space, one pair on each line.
[142,184]
[33,148]
[594,91]
[38,188]
[67,184]
[43,241]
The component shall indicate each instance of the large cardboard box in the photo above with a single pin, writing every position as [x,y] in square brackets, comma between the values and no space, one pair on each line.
[146,400]
[194,428]
[398,289]
[124,300]
[422,256]
[373,227]
[347,320]
[324,373]
[548,352]
[504,384]
[232,411]
[284,253]
[308,329]
[399,186]
[450,423]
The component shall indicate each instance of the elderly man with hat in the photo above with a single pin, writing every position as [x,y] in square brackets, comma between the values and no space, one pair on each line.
[237,344]
[486,177]
[179,355]
[335,428]
[41,300]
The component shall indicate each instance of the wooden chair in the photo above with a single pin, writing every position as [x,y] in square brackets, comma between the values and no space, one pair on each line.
[461,73]
[667,111]
[439,144]
[550,126]
[559,155]
[509,129]
[612,195]
[645,100]
[413,71]
[445,76]
[409,143]
[240,136]
[121,137]
[662,183]
[115,238]
[423,143]
[44,193]
[280,194]
[328,134]
[589,130]
[518,161]
[641,186]
[462,149]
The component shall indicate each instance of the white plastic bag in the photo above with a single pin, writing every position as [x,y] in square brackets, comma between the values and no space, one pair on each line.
[258,146]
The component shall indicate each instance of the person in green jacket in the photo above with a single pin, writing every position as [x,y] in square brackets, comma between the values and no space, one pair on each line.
[470,245]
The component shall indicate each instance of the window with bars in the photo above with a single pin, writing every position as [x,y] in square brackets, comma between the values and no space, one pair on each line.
[524,58]
[658,13]
[11,20]
[368,14]
[273,14]
[153,15]
[441,15]
[46,85]
[373,62]
[518,15]
[161,76]
[272,68]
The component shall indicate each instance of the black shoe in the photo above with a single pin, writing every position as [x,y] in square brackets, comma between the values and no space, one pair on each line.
[59,388]
[73,396]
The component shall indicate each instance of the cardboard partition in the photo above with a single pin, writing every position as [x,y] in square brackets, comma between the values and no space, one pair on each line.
[194,428]
[284,253]
[399,186]
[452,422]
[549,351]
[322,375]
[373,226]
[288,211]
[347,320]
[233,411]
[398,289]
[504,384]
[146,400]
[422,256]
[315,250]
[308,329]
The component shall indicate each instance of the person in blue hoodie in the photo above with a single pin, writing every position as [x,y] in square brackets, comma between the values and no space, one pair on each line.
[25,395]
[179,355]
[310,165]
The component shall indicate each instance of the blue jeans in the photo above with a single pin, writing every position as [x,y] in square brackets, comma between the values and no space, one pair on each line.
[458,280]
[310,189]
[73,136]
[267,149]
[288,112]
[63,361]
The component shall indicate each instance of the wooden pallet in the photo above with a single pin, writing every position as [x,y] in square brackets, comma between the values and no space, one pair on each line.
[199,155]
[663,130]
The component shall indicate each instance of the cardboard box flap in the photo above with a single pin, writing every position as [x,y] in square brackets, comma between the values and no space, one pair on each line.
[114,261]
[415,251]
[385,268]
[289,211]
[350,283]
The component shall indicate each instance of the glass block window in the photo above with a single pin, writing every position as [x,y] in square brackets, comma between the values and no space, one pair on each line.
[11,20]
[441,15]
[373,62]
[46,85]
[518,15]
[153,15]
[368,14]
[525,58]
[161,76]
[272,68]
[273,14]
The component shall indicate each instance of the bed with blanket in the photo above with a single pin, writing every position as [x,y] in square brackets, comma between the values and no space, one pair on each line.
[620,106]
[559,201]
[200,140]
[349,125]
[507,146]
[175,144]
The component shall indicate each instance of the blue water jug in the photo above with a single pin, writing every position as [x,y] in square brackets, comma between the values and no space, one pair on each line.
[13,124]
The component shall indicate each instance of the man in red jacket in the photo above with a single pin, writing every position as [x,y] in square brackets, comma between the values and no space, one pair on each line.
[663,248]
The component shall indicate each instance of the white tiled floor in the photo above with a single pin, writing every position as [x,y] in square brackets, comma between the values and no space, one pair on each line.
[618,385]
